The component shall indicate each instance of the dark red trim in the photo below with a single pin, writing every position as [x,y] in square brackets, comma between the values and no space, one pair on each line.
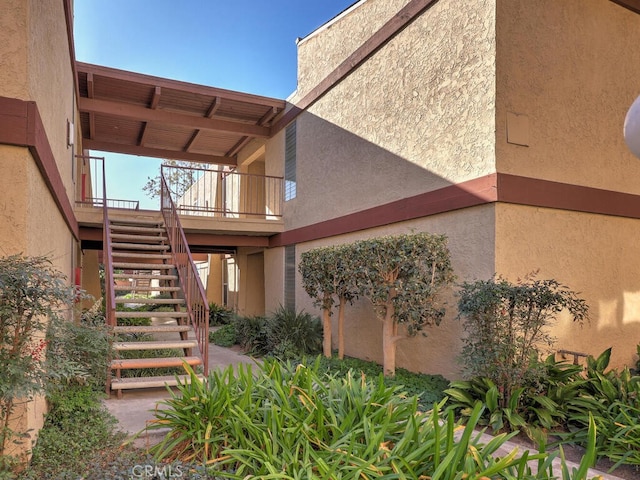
[633,5]
[388,31]
[489,189]
[467,194]
[21,125]
[563,196]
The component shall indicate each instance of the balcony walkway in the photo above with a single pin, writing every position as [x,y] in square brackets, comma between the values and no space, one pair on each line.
[203,232]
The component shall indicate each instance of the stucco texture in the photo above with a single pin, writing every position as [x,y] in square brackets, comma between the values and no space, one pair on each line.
[417,116]
[572,67]
[595,255]
[471,237]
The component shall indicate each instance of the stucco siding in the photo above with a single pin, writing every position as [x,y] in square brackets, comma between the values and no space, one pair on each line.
[50,80]
[471,238]
[323,50]
[571,67]
[13,49]
[596,255]
[417,116]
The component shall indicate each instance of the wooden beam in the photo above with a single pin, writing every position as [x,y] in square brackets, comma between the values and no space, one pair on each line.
[389,30]
[155,100]
[90,93]
[105,146]
[152,81]
[215,105]
[633,5]
[142,114]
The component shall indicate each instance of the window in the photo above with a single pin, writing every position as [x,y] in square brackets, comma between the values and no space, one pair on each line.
[290,277]
[290,162]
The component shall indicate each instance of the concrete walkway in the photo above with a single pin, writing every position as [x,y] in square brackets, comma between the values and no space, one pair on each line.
[135,410]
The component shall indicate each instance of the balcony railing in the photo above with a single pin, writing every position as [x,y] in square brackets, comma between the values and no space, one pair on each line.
[224,193]
[112,203]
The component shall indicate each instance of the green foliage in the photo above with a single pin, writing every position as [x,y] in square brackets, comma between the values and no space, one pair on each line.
[429,389]
[506,327]
[613,398]
[404,273]
[533,408]
[33,297]
[77,428]
[131,321]
[284,334]
[327,273]
[251,333]
[219,315]
[292,423]
[225,336]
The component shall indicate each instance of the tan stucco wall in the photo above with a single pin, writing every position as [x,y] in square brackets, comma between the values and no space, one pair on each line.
[595,255]
[35,66]
[214,281]
[13,49]
[251,297]
[572,68]
[274,278]
[417,116]
[471,238]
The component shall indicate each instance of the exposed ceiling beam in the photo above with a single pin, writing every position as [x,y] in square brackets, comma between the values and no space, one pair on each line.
[175,84]
[104,146]
[215,105]
[142,114]
[90,93]
[155,101]
[633,5]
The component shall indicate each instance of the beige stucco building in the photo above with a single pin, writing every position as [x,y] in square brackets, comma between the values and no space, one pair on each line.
[496,122]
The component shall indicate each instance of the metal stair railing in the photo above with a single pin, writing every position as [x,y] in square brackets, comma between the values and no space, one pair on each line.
[195,297]
[107,260]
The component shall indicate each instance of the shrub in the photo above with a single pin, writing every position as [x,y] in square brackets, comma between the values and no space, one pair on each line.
[285,422]
[613,399]
[284,334]
[225,336]
[533,408]
[506,325]
[33,300]
[76,430]
[219,315]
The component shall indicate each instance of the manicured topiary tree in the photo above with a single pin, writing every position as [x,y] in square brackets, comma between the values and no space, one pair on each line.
[327,278]
[402,276]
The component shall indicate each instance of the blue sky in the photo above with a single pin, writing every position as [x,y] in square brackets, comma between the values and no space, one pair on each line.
[244,45]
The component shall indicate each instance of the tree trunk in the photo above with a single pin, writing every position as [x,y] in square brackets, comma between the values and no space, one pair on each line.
[341,328]
[389,342]
[326,330]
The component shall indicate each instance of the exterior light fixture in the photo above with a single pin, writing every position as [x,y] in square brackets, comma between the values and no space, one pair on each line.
[632,128]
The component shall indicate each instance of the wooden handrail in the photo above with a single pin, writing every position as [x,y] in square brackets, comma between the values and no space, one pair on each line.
[195,297]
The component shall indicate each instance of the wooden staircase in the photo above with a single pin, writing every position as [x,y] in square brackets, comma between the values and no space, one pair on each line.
[150,339]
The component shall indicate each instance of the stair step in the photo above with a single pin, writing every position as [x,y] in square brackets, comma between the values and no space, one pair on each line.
[141,276]
[127,288]
[143,266]
[135,221]
[150,256]
[151,301]
[152,329]
[141,238]
[138,246]
[150,382]
[152,314]
[135,228]
[153,345]
[128,363]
